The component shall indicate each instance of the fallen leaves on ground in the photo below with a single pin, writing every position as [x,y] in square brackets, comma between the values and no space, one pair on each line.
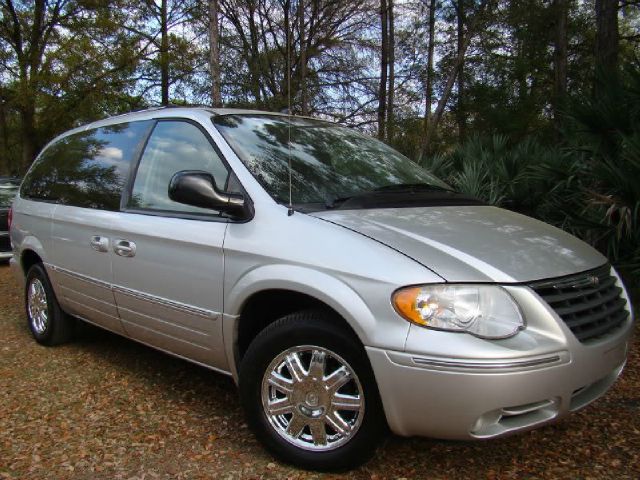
[104,407]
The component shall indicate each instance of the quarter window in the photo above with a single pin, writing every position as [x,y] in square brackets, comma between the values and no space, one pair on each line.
[172,147]
[87,169]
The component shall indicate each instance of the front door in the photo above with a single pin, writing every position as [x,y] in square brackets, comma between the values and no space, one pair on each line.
[168,263]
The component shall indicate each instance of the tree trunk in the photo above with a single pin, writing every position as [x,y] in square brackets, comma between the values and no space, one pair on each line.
[560,47]
[607,35]
[392,74]
[164,53]
[214,54]
[429,77]
[6,166]
[460,113]
[442,103]
[304,107]
[430,53]
[28,134]
[287,69]
[384,64]
[254,65]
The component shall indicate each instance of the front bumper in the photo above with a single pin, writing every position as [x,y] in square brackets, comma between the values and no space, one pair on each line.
[494,388]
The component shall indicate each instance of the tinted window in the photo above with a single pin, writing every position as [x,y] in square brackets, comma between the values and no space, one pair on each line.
[172,147]
[328,162]
[86,169]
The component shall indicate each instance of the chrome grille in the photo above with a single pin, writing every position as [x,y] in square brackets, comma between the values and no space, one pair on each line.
[589,303]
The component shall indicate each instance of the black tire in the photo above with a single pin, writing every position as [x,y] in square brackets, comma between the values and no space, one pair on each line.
[58,327]
[319,329]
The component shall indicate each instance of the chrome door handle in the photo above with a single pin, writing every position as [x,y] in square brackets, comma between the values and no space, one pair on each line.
[99,244]
[124,248]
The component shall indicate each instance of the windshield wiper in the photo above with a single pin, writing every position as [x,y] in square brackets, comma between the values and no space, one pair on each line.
[412,187]
[336,202]
[396,188]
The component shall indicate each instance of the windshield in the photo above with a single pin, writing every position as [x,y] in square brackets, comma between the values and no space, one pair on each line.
[328,162]
[7,193]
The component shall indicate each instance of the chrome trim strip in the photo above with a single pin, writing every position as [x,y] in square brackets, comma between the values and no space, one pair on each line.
[486,366]
[79,276]
[180,307]
[158,320]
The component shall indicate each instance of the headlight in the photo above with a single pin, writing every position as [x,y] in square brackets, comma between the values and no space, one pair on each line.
[485,311]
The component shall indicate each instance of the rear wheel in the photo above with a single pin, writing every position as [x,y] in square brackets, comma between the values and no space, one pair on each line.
[309,393]
[49,325]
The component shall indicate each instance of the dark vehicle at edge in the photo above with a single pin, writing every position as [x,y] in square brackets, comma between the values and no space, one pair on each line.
[8,189]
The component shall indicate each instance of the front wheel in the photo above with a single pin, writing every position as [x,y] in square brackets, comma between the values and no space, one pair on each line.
[309,393]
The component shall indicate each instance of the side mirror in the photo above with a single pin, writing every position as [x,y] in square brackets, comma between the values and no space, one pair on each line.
[198,189]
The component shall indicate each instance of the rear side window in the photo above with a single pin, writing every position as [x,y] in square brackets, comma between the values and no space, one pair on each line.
[174,146]
[86,169]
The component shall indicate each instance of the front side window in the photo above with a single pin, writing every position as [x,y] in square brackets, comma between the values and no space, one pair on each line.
[172,147]
[87,169]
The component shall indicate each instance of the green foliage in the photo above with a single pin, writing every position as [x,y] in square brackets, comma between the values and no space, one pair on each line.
[587,184]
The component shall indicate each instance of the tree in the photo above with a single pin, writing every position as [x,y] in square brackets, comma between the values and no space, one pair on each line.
[392,73]
[325,55]
[473,28]
[302,68]
[461,19]
[214,54]
[59,65]
[29,42]
[607,41]
[171,59]
[384,68]
[560,60]
[429,70]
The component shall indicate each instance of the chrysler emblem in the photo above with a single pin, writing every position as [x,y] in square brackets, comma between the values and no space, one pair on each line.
[588,281]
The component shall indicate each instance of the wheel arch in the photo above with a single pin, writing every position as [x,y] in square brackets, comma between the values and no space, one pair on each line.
[301,288]
[28,258]
[31,252]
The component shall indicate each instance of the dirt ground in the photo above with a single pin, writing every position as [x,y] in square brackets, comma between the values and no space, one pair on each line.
[107,408]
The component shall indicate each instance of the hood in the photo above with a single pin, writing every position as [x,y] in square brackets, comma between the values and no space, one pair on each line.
[473,243]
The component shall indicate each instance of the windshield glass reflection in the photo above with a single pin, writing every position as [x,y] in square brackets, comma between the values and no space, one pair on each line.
[327,161]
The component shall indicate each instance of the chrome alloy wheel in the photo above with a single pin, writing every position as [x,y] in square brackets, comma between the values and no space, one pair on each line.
[37,306]
[312,398]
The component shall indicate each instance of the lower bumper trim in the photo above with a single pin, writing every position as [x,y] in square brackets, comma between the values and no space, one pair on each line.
[486,365]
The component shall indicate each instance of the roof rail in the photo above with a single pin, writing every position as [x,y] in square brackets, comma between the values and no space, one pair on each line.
[160,107]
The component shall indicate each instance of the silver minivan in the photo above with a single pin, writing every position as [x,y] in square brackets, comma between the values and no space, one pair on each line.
[345,289]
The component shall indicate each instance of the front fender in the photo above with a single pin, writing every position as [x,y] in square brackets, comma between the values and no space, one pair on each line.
[325,288]
[328,289]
